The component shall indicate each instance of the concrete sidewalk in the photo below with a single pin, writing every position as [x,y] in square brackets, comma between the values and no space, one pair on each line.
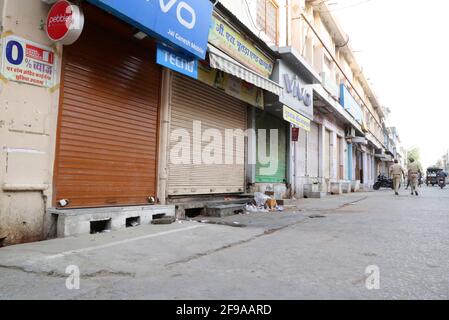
[109,257]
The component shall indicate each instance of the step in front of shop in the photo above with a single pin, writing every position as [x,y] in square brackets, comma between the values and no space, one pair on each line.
[199,206]
[74,222]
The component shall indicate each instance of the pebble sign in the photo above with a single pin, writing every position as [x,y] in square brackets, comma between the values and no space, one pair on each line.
[65,22]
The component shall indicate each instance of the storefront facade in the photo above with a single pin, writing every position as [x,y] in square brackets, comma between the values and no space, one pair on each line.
[289,116]
[208,147]
[83,127]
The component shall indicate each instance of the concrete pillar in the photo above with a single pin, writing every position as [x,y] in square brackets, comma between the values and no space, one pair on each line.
[350,161]
[252,147]
[321,142]
[164,136]
[365,168]
[334,155]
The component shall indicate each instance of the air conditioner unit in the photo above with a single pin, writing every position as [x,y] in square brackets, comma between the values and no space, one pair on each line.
[350,133]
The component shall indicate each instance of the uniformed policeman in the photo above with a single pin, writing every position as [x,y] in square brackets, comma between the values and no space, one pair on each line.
[397,172]
[413,175]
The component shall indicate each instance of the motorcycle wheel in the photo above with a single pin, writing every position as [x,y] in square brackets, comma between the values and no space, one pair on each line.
[376,186]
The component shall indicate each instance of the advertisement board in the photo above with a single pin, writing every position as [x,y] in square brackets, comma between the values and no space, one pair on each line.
[173,60]
[185,24]
[27,62]
[233,86]
[350,104]
[229,41]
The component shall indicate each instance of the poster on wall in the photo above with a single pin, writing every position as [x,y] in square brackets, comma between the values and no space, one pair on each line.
[233,86]
[27,62]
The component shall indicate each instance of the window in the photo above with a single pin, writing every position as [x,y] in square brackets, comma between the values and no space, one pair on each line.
[267,18]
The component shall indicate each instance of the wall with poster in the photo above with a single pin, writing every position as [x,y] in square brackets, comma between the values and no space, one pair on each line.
[29,98]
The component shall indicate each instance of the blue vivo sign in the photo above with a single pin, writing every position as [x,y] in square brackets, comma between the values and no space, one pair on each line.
[350,104]
[184,23]
[178,62]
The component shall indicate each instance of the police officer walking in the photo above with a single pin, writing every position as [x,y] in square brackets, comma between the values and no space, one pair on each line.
[413,175]
[397,172]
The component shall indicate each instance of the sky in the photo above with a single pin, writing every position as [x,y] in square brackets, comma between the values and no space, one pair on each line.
[403,48]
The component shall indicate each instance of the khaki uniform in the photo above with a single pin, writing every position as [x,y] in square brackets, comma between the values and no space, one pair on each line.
[396,172]
[413,176]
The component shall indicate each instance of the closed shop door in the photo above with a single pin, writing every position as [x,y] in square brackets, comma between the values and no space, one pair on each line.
[313,151]
[275,171]
[215,112]
[358,166]
[107,137]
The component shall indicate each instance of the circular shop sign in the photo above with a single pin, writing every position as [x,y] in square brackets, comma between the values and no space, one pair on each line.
[65,22]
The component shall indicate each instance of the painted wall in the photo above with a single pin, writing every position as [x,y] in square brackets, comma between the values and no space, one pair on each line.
[246,12]
[28,117]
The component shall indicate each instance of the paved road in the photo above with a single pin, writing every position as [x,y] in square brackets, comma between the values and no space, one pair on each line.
[320,251]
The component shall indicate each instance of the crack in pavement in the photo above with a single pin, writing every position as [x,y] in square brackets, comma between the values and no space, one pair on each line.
[267,232]
[58,274]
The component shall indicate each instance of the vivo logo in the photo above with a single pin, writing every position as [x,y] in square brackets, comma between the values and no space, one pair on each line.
[189,22]
[293,86]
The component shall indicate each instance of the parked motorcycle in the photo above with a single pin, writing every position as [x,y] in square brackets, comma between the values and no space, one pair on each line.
[383,182]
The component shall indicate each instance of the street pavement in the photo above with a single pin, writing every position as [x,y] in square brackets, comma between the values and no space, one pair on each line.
[370,245]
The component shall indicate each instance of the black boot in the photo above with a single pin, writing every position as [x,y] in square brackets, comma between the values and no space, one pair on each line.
[416,192]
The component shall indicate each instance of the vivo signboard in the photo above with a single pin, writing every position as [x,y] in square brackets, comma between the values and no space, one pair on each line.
[297,94]
[350,104]
[183,23]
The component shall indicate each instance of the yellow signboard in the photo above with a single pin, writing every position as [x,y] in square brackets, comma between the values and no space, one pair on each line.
[296,119]
[224,37]
[233,86]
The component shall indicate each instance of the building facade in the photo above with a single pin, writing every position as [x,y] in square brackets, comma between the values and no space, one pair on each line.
[129,122]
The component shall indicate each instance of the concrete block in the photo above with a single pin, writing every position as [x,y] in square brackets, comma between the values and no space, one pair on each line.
[73,222]
[336,188]
[355,186]
[224,210]
[346,187]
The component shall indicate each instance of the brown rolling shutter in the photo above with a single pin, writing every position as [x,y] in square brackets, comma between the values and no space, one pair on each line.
[107,137]
[194,101]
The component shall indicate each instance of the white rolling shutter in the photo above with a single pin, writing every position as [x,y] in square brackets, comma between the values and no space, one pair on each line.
[194,101]
[313,151]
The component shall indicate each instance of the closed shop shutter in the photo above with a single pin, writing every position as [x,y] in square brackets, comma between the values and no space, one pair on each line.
[195,101]
[107,137]
[313,151]
[268,122]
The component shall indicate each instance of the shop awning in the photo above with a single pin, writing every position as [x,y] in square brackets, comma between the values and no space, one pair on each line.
[221,61]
